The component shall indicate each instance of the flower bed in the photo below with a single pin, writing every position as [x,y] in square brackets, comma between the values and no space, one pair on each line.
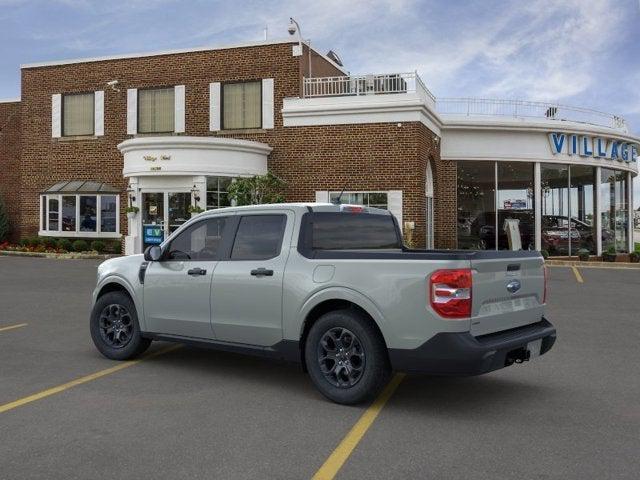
[61,248]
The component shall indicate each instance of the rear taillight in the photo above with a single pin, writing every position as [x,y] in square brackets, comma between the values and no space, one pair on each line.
[546,277]
[450,292]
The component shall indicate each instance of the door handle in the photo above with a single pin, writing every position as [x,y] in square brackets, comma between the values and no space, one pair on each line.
[262,272]
[197,271]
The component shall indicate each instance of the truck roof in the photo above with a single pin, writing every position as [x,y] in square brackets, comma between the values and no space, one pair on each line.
[315,206]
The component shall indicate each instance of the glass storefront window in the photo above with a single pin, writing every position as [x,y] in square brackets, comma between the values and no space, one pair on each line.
[368,199]
[68,214]
[614,210]
[88,213]
[52,220]
[581,202]
[476,205]
[516,204]
[108,213]
[554,181]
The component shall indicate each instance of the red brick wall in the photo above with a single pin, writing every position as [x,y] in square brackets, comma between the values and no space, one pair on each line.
[355,157]
[9,161]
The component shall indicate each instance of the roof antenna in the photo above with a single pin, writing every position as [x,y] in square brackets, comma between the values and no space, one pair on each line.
[337,201]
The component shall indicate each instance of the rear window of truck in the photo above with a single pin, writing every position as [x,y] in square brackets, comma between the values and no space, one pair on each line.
[352,231]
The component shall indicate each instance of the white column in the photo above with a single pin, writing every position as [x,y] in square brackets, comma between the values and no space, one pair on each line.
[200,182]
[630,212]
[537,201]
[598,212]
[133,241]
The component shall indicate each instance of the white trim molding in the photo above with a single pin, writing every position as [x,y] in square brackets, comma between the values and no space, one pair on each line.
[179,108]
[214,107]
[391,108]
[267,103]
[98,111]
[184,155]
[56,115]
[132,111]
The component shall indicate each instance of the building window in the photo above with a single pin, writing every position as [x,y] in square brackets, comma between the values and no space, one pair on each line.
[368,199]
[516,205]
[476,205]
[614,209]
[217,196]
[78,114]
[156,110]
[242,105]
[81,215]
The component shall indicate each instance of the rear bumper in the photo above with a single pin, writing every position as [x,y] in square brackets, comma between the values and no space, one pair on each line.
[464,354]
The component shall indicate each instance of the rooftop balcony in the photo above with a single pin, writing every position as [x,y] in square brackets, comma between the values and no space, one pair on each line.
[410,83]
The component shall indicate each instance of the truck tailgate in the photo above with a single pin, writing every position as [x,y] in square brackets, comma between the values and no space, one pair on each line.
[507,292]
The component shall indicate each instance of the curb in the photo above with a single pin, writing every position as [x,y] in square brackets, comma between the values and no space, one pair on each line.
[58,256]
[609,265]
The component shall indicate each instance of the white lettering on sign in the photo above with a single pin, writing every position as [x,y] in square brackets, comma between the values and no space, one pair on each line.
[598,147]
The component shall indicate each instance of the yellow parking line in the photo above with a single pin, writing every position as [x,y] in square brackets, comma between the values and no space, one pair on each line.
[334,463]
[11,327]
[576,272]
[79,381]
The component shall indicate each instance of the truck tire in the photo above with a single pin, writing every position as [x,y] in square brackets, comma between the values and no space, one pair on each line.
[346,357]
[114,327]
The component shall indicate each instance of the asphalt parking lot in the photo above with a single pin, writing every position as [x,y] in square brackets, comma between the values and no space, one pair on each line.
[191,413]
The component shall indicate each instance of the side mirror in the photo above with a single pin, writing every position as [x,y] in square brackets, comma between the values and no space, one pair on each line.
[153,253]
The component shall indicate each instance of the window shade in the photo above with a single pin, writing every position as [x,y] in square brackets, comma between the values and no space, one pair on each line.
[156,110]
[77,114]
[242,105]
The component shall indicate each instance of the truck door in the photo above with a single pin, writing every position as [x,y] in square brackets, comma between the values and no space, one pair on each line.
[246,292]
[177,288]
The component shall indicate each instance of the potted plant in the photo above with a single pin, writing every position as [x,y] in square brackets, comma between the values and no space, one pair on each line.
[634,257]
[195,210]
[610,255]
[583,255]
[131,212]
[544,253]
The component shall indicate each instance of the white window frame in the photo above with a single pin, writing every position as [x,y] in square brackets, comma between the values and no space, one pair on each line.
[386,192]
[44,222]
[57,120]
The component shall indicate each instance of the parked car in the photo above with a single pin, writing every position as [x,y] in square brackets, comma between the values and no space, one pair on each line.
[329,286]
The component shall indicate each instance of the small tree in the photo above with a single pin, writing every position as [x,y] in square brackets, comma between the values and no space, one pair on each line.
[4,222]
[257,190]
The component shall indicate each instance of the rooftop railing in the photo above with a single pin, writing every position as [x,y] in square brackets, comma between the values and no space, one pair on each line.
[389,83]
[356,85]
[527,109]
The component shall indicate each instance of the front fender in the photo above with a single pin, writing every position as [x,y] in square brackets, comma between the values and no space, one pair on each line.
[135,292]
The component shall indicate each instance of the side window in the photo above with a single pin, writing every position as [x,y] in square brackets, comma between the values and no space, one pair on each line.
[200,241]
[259,237]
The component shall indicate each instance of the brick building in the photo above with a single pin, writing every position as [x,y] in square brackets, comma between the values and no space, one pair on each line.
[164,131]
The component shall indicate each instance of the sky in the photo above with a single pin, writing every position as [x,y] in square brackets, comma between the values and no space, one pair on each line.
[577,52]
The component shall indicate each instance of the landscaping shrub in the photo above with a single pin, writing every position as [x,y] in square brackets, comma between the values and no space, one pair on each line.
[98,246]
[544,254]
[65,244]
[24,242]
[80,246]
[634,257]
[33,242]
[48,242]
[114,246]
[583,254]
[610,255]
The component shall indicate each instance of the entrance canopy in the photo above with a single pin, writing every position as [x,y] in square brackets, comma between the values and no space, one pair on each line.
[81,186]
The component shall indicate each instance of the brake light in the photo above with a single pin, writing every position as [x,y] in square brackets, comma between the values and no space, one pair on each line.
[450,292]
[546,276]
[351,208]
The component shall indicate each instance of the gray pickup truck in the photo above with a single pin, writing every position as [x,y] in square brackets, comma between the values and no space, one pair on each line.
[329,286]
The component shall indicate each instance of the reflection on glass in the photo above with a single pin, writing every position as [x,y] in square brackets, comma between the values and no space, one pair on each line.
[69,213]
[555,208]
[153,208]
[88,213]
[53,214]
[516,204]
[476,205]
[178,210]
[108,213]
[614,210]
[583,228]
[217,188]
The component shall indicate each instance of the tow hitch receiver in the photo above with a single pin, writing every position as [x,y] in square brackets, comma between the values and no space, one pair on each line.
[517,356]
